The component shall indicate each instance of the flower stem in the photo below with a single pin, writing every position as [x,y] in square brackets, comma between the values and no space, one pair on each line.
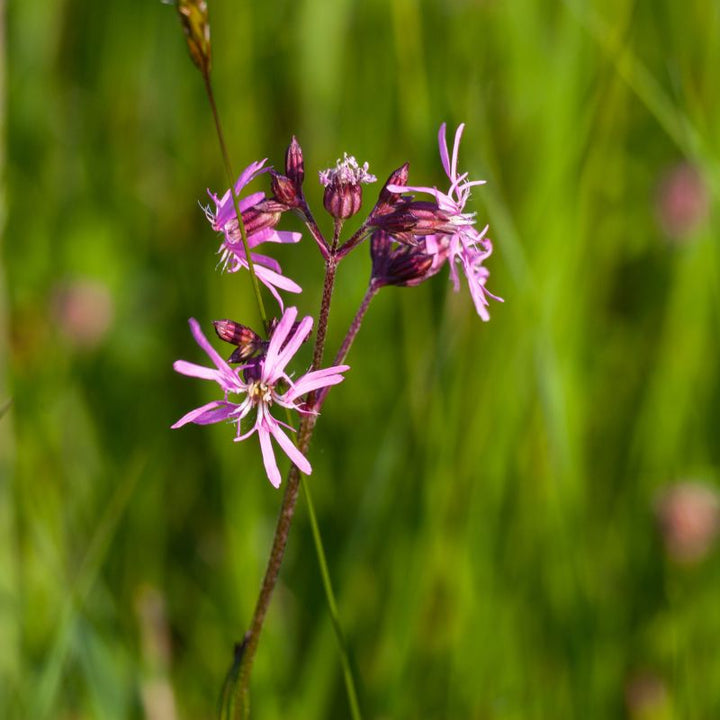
[282,530]
[330,270]
[277,553]
[236,201]
[349,337]
[314,230]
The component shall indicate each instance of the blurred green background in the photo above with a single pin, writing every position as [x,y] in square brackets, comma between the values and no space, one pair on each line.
[495,498]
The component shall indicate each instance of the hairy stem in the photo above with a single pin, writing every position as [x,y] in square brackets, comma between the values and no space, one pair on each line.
[314,230]
[349,337]
[330,271]
[287,510]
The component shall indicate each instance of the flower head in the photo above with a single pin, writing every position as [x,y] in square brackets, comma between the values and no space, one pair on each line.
[260,216]
[454,230]
[343,186]
[259,386]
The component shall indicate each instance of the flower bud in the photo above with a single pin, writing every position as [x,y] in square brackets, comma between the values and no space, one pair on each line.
[294,163]
[264,215]
[285,190]
[343,191]
[194,19]
[412,220]
[248,341]
[342,201]
[387,199]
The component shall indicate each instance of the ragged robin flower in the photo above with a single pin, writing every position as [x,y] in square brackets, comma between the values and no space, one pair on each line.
[258,387]
[457,236]
[260,215]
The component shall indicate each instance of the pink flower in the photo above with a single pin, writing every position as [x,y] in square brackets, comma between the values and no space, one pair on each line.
[462,243]
[262,385]
[259,217]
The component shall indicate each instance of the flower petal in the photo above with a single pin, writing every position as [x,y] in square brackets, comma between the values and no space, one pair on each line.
[192,370]
[291,450]
[277,340]
[268,454]
[250,173]
[316,379]
[442,143]
[293,344]
[213,412]
[456,150]
[203,342]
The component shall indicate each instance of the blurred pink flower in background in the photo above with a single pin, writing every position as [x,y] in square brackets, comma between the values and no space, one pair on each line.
[83,311]
[688,514]
[682,202]
[646,697]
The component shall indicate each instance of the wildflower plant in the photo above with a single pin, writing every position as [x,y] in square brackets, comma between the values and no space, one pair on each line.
[261,390]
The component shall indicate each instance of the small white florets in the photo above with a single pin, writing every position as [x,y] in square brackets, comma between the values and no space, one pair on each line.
[347,172]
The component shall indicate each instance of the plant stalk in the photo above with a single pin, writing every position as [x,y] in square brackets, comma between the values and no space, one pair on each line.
[282,529]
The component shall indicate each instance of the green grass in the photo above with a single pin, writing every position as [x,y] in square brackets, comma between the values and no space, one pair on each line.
[485,491]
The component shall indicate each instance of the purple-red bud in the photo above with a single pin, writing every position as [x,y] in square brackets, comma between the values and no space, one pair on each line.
[342,201]
[248,342]
[343,191]
[412,220]
[397,177]
[285,190]
[265,214]
[294,163]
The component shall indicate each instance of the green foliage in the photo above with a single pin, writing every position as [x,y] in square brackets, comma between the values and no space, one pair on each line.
[486,492]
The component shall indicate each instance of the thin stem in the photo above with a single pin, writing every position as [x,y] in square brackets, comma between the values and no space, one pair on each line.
[287,509]
[349,337]
[328,285]
[282,530]
[337,228]
[236,200]
[332,606]
[314,230]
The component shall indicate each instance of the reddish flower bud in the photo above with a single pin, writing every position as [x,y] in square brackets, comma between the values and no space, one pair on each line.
[414,219]
[265,214]
[294,163]
[343,191]
[248,341]
[285,190]
[387,199]
[342,201]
